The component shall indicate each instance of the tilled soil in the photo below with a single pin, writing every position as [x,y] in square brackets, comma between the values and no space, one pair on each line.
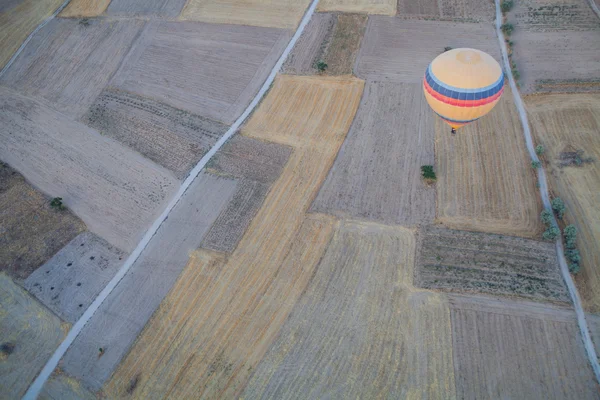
[455,10]
[160,8]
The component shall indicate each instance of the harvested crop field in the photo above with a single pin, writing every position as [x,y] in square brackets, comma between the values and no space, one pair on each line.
[212,327]
[485,179]
[345,42]
[284,14]
[122,316]
[68,63]
[360,330]
[518,350]
[32,231]
[456,10]
[173,138]
[553,15]
[160,8]
[18,19]
[29,335]
[84,8]
[560,123]
[377,174]
[69,282]
[311,45]
[210,70]
[400,50]
[460,261]
[62,387]
[382,7]
[115,191]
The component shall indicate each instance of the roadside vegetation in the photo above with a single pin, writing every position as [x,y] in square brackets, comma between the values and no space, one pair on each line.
[569,233]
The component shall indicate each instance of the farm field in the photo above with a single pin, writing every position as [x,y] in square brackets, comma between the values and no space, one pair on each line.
[284,14]
[226,311]
[485,179]
[554,15]
[161,8]
[593,321]
[400,50]
[455,10]
[377,175]
[383,7]
[345,42]
[505,349]
[62,387]
[18,18]
[460,261]
[568,123]
[219,68]
[31,230]
[68,63]
[84,8]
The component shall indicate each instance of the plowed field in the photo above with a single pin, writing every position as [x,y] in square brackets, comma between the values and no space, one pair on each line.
[383,7]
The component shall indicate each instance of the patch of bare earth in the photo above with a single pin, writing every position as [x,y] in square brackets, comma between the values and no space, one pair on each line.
[451,10]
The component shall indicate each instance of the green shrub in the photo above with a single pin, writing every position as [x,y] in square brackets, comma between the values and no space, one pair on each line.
[558,206]
[539,150]
[428,173]
[551,233]
[570,234]
[573,256]
[536,164]
[507,29]
[321,65]
[57,203]
[574,268]
[546,216]
[506,5]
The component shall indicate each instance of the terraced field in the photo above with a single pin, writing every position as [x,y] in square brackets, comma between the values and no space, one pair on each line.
[570,122]
[455,10]
[383,7]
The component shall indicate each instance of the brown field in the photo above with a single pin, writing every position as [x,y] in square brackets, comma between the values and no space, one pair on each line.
[84,8]
[377,174]
[400,50]
[311,45]
[518,350]
[18,19]
[62,387]
[31,231]
[460,261]
[29,334]
[223,313]
[383,7]
[68,63]
[161,8]
[345,42]
[360,330]
[284,14]
[456,10]
[563,122]
[485,179]
[207,69]
[593,321]
[553,15]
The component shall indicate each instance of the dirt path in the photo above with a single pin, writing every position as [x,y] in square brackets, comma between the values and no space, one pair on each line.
[583,327]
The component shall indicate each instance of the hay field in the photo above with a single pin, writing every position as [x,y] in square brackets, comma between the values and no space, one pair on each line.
[460,261]
[68,63]
[377,174]
[156,8]
[518,350]
[173,138]
[485,179]
[18,19]
[400,50]
[115,191]
[223,313]
[311,45]
[563,122]
[69,281]
[285,14]
[210,70]
[382,7]
[84,8]
[29,334]
[360,330]
[455,10]
[31,231]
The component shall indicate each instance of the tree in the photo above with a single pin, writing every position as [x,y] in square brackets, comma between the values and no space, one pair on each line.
[539,150]
[57,203]
[551,233]
[573,255]
[558,206]
[536,164]
[570,234]
[321,65]
[428,173]
[506,5]
[546,217]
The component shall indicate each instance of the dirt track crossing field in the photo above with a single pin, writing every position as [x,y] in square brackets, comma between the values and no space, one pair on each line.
[84,8]
[383,7]
[485,179]
[377,174]
[570,122]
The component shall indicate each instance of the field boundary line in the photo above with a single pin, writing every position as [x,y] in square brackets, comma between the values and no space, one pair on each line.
[37,385]
[583,327]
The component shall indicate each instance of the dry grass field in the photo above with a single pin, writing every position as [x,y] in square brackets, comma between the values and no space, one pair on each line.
[18,19]
[518,350]
[207,69]
[400,50]
[563,122]
[29,334]
[31,231]
[62,387]
[345,42]
[160,8]
[455,10]
[84,8]
[115,191]
[284,14]
[382,7]
[224,312]
[360,330]
[377,174]
[460,261]
[68,63]
[485,179]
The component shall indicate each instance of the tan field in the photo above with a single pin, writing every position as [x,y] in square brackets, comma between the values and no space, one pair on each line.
[342,49]
[562,122]
[383,7]
[63,387]
[281,14]
[17,22]
[84,8]
[223,313]
[485,180]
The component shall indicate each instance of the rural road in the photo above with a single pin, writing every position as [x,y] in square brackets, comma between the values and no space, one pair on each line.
[544,192]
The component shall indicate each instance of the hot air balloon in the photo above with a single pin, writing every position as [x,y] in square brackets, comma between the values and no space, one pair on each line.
[462,85]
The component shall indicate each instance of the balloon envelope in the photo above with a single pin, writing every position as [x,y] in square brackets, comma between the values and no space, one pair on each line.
[462,85]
